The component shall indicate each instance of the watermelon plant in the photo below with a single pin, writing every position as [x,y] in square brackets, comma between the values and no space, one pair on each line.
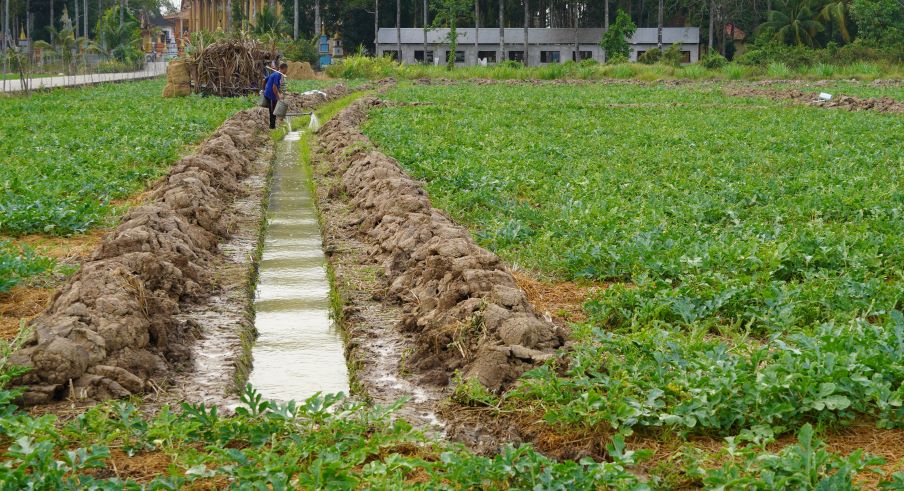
[18,263]
[753,246]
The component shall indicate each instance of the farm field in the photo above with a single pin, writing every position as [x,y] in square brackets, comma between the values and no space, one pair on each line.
[740,328]
[71,158]
[749,250]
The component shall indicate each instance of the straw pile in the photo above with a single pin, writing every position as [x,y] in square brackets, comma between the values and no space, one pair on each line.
[228,67]
[178,81]
[300,70]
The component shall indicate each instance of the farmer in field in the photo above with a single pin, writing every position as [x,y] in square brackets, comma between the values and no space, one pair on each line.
[273,92]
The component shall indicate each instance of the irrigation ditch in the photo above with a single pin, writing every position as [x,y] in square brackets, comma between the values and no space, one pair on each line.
[300,261]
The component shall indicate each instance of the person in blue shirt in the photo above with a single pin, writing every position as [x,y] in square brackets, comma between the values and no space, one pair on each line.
[273,92]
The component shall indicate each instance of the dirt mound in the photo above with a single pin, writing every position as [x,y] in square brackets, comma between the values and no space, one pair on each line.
[849,103]
[111,327]
[463,305]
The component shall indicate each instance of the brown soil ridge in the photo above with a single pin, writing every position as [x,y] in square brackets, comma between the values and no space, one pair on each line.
[113,328]
[460,302]
[845,102]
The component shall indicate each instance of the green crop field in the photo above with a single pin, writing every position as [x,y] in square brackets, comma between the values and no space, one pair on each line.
[67,155]
[754,248]
[749,253]
[71,152]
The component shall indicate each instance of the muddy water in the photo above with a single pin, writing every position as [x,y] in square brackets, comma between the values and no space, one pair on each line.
[298,351]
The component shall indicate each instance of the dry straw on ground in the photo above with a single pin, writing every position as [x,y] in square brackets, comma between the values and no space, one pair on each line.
[228,67]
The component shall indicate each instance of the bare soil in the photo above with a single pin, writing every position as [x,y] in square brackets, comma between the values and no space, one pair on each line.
[111,330]
[844,102]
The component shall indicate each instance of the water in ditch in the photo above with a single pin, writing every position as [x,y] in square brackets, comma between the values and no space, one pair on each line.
[299,350]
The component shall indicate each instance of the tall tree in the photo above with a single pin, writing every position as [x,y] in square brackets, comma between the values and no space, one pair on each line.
[834,13]
[577,45]
[122,12]
[526,25]
[425,32]
[501,32]
[398,29]
[376,28]
[476,31]
[295,22]
[794,23]
[659,25]
[606,14]
[447,14]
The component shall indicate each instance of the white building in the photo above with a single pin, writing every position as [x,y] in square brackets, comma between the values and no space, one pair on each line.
[545,45]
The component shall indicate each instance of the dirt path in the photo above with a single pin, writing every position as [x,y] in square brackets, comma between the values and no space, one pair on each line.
[844,102]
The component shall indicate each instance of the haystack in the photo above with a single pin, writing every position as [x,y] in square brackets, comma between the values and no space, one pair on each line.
[178,80]
[300,70]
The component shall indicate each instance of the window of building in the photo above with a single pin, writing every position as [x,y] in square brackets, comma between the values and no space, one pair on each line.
[490,56]
[419,56]
[585,55]
[459,56]
[516,56]
[391,53]
[550,57]
[685,57]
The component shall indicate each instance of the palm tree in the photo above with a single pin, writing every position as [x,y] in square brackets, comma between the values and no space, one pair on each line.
[834,13]
[269,22]
[794,23]
[68,47]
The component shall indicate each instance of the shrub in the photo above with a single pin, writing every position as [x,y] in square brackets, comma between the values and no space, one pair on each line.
[693,72]
[764,54]
[356,66]
[672,55]
[302,50]
[511,64]
[713,60]
[778,69]
[114,66]
[733,71]
[649,57]
[615,40]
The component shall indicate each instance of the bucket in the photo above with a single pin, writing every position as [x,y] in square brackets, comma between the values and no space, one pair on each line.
[281,109]
[263,101]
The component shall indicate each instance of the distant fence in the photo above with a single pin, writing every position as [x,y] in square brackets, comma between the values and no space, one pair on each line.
[21,70]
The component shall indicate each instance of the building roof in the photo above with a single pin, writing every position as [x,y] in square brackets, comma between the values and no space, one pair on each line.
[515,35]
